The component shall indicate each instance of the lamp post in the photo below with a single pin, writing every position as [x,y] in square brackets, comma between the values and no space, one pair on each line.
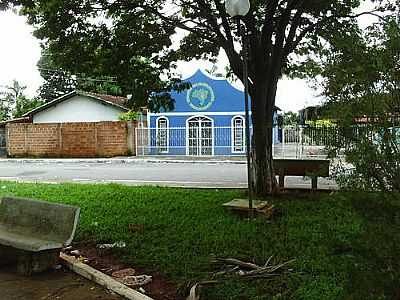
[237,9]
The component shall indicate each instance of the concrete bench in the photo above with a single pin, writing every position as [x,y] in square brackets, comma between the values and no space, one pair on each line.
[301,167]
[33,232]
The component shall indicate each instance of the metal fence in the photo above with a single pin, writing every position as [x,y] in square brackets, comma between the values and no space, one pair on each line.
[191,141]
[290,142]
[305,141]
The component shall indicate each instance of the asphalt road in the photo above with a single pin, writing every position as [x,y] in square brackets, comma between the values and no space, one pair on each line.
[187,174]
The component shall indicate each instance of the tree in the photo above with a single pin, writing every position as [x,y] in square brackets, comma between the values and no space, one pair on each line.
[14,103]
[277,29]
[57,82]
[4,115]
[362,86]
[24,105]
[290,119]
[362,73]
[9,97]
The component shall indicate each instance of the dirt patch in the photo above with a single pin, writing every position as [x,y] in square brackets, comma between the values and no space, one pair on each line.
[159,289]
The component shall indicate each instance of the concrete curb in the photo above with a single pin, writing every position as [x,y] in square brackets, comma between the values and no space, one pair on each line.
[101,279]
[118,161]
[305,187]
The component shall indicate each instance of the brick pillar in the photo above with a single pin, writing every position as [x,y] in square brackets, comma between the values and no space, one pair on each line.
[96,143]
[60,140]
[131,137]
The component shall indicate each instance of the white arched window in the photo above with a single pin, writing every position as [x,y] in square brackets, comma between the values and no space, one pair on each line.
[162,134]
[238,134]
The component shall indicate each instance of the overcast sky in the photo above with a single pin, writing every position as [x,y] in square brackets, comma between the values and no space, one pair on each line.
[20,51]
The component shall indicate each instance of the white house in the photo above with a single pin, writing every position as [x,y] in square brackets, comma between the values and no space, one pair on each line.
[79,106]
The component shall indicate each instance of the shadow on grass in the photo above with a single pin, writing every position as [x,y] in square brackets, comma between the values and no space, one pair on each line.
[375,273]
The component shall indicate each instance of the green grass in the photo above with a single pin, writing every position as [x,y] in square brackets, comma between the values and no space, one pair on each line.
[346,246]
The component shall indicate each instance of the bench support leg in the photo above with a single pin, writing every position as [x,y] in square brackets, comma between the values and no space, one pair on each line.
[281,181]
[7,256]
[314,183]
[36,262]
[26,262]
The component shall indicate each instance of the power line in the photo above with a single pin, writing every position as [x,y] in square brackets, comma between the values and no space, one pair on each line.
[112,79]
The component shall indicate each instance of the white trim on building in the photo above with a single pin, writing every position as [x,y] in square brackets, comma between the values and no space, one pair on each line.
[158,136]
[198,114]
[233,134]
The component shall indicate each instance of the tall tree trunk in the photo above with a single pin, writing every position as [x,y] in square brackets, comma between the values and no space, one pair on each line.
[265,76]
[263,175]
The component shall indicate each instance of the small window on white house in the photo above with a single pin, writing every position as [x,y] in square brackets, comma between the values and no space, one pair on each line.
[238,135]
[162,135]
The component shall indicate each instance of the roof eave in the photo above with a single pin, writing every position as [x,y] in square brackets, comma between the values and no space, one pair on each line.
[68,96]
[49,104]
[82,93]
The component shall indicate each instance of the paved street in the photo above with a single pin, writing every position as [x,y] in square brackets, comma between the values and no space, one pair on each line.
[137,172]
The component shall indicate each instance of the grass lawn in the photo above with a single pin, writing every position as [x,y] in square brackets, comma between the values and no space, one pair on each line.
[346,246]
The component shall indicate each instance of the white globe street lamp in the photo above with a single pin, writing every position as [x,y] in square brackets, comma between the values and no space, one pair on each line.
[237,9]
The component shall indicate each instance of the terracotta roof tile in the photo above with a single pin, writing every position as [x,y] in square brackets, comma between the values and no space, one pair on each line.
[122,101]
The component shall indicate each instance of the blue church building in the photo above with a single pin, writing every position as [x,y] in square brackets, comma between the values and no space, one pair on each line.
[208,120]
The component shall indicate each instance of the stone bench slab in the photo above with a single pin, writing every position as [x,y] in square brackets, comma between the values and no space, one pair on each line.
[33,232]
[20,238]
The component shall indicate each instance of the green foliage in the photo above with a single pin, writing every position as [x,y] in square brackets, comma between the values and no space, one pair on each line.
[24,105]
[8,98]
[290,119]
[101,85]
[321,122]
[362,85]
[362,74]
[14,103]
[129,116]
[345,245]
[132,40]
[57,82]
[107,48]
[60,81]
[4,112]
[374,152]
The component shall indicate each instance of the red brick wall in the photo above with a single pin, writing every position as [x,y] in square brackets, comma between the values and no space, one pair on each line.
[78,139]
[112,139]
[100,139]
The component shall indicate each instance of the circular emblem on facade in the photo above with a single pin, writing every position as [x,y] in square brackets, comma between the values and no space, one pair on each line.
[200,96]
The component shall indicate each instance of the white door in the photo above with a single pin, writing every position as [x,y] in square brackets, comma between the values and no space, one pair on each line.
[200,136]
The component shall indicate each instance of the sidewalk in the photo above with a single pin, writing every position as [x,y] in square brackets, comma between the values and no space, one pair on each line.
[131,159]
[141,159]
[50,285]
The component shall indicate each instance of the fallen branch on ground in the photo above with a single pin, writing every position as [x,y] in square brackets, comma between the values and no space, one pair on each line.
[232,267]
[237,267]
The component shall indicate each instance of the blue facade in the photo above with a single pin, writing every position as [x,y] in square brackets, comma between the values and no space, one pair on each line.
[208,119]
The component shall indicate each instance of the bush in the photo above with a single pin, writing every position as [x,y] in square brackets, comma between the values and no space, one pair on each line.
[374,154]
[129,116]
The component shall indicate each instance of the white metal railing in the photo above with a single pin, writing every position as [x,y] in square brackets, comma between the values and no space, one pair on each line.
[192,141]
[306,141]
[292,142]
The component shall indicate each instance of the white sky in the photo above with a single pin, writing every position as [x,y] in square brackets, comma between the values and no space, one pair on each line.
[20,51]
